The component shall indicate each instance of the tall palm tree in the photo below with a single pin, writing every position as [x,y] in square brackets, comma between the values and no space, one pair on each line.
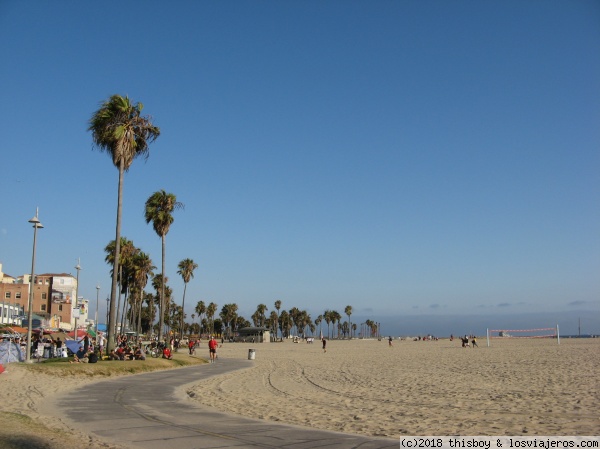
[142,269]
[211,309]
[159,208]
[260,311]
[273,321]
[348,311]
[278,307]
[200,310]
[228,315]
[285,323]
[119,129]
[335,318]
[127,250]
[327,318]
[186,271]
[318,323]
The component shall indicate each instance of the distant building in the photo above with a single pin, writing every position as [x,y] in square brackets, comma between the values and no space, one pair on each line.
[253,335]
[53,299]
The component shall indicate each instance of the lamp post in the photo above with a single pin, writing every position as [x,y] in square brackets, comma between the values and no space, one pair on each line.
[107,310]
[36,224]
[96,317]
[78,268]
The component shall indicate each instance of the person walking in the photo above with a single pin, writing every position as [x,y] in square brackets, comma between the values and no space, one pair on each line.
[324,344]
[212,349]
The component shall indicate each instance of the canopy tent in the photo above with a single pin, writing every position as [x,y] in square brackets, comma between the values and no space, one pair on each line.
[73,345]
[62,335]
[16,329]
[80,334]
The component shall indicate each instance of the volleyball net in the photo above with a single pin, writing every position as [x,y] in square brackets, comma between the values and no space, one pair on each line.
[543,332]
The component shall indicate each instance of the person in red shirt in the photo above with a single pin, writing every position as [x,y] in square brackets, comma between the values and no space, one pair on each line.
[167,353]
[212,349]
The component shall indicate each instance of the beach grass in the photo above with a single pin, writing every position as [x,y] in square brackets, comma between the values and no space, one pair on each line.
[111,368]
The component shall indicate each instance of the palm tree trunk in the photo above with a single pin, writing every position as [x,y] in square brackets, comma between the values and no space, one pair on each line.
[162,293]
[183,309]
[123,317]
[119,300]
[139,317]
[112,318]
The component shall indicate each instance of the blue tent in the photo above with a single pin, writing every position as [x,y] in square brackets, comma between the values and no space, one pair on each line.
[10,352]
[73,345]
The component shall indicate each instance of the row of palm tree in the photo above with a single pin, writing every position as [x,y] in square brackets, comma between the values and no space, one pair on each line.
[119,129]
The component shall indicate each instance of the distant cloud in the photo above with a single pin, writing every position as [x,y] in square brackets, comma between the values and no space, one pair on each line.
[415,307]
[577,303]
[368,310]
[504,304]
[434,306]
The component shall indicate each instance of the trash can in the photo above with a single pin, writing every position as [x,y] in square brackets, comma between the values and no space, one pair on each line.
[251,354]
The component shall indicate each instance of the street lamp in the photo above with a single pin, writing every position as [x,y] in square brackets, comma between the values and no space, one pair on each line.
[36,224]
[78,268]
[96,317]
[107,300]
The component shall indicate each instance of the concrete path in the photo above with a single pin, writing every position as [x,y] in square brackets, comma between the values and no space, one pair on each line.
[153,411]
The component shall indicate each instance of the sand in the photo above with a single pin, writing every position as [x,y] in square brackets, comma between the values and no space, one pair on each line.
[515,387]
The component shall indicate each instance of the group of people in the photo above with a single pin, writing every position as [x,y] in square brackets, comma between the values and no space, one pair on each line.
[465,341]
[127,352]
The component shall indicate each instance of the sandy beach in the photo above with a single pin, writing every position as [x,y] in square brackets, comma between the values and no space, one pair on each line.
[515,387]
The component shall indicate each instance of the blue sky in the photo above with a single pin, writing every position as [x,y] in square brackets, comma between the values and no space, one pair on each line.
[405,158]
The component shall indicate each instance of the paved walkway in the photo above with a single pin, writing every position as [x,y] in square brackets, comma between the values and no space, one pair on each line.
[152,411]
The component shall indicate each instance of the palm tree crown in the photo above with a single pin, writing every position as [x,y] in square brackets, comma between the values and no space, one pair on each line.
[159,208]
[186,271]
[119,129]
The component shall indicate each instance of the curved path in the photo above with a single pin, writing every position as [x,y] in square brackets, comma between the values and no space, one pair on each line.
[153,411]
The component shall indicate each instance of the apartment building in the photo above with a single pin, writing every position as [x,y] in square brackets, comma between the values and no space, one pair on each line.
[53,299]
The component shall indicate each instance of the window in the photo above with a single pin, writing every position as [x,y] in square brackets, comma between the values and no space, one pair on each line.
[44,295]
[60,307]
[18,295]
[7,295]
[43,308]
[62,282]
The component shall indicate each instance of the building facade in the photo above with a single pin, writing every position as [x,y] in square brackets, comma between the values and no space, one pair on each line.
[53,300]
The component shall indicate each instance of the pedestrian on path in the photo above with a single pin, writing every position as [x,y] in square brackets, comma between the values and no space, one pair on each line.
[212,349]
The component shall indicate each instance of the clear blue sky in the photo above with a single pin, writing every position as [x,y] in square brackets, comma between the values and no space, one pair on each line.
[407,158]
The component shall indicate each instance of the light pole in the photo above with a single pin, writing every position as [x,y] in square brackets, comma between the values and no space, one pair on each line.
[96,317]
[78,268]
[36,224]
